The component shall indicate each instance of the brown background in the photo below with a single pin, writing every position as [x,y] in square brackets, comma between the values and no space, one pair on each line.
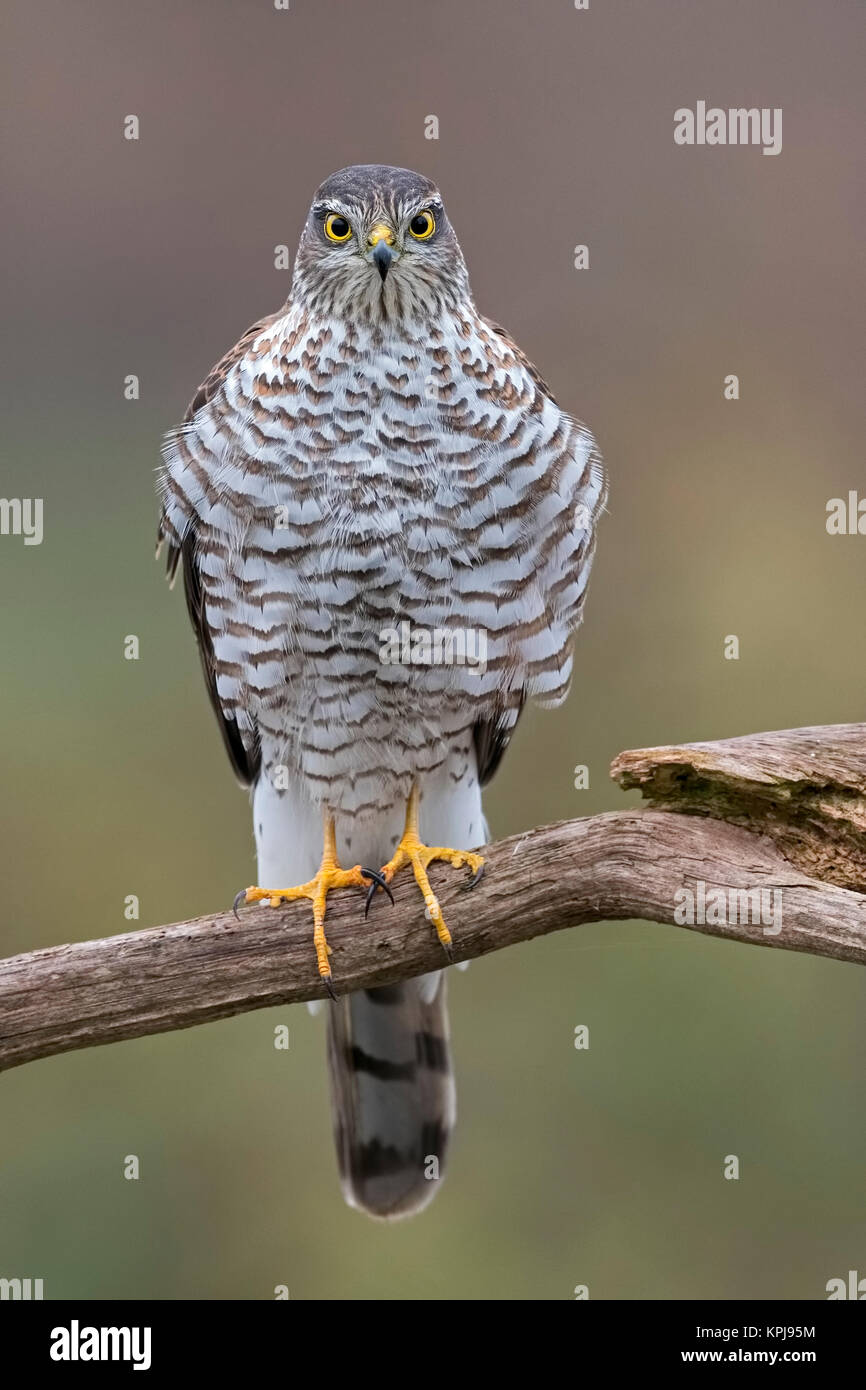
[556,128]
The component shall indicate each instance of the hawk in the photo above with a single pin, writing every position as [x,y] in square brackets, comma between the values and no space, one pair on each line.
[378,457]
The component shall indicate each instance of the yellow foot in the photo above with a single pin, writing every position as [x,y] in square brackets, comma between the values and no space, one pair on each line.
[411,850]
[330,876]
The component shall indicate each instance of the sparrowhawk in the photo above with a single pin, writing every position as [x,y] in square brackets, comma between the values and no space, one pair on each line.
[374,458]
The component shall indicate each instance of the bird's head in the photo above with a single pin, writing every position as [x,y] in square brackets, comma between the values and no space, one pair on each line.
[377,244]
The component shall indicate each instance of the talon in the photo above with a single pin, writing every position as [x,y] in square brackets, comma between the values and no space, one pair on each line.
[239,897]
[475,879]
[378,881]
[448,949]
[329,987]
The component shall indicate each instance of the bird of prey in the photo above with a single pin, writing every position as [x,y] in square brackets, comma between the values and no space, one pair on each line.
[378,457]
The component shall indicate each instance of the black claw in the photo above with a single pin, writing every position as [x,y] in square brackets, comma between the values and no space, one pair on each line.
[329,987]
[474,880]
[241,895]
[448,948]
[378,881]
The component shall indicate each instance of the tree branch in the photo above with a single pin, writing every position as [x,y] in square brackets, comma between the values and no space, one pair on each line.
[782,812]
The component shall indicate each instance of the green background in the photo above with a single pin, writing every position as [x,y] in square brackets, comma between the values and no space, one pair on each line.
[556,128]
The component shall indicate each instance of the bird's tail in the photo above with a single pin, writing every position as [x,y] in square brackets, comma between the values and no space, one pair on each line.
[392,1094]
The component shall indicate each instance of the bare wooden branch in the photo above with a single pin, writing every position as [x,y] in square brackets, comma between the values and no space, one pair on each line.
[781,812]
[805,788]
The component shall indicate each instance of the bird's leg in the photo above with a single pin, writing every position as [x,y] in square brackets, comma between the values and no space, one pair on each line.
[412,851]
[330,876]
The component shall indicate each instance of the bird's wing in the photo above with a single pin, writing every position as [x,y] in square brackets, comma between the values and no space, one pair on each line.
[215,378]
[182,549]
[492,737]
[521,357]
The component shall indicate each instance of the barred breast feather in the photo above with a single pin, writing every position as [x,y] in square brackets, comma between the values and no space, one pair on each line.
[334,480]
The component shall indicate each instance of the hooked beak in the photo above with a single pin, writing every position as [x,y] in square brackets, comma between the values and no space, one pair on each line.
[381,239]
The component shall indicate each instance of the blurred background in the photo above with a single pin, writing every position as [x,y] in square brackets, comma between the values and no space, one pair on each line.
[601,1167]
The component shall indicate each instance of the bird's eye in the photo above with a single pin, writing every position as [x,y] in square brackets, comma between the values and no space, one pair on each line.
[422,225]
[337,228]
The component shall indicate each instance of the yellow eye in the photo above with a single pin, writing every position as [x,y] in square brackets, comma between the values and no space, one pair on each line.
[336,227]
[422,225]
